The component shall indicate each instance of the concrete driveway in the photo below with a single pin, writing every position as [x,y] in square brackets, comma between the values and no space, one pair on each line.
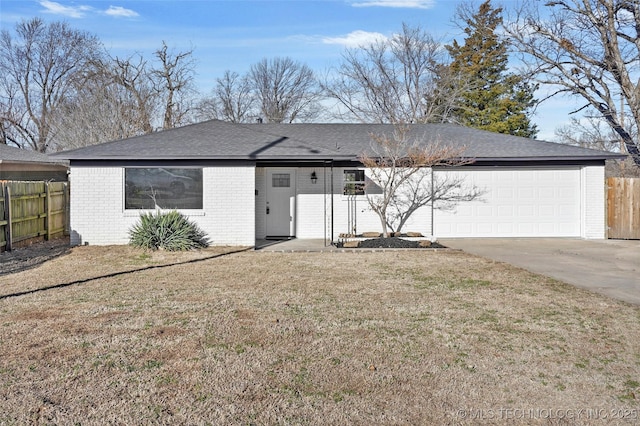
[610,267]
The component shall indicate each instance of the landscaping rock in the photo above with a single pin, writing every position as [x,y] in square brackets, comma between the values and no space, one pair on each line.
[414,234]
[370,234]
[350,244]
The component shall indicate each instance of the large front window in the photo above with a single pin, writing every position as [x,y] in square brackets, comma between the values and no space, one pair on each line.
[166,188]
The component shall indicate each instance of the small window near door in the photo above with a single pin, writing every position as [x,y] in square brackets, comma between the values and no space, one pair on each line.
[281,180]
[353,182]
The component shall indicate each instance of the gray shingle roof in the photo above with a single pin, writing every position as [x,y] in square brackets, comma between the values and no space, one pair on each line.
[10,154]
[217,140]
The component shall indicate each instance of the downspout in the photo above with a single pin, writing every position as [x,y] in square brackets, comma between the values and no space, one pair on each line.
[332,202]
[324,199]
[433,234]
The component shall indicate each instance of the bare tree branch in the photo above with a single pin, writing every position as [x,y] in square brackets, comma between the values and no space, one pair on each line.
[39,70]
[401,176]
[393,81]
[232,100]
[286,90]
[174,80]
[590,49]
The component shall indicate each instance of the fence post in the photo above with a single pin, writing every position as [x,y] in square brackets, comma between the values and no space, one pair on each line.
[7,215]
[47,207]
[67,210]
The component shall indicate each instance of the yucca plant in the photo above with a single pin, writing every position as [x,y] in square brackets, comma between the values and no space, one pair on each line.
[167,230]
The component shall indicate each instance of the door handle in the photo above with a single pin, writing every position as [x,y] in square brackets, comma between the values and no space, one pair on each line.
[267,210]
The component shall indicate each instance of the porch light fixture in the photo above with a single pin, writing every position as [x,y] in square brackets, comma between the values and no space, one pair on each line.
[314,177]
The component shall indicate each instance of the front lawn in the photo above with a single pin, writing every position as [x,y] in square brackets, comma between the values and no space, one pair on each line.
[115,335]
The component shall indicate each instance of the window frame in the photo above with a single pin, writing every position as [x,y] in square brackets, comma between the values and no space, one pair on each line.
[280,177]
[359,186]
[195,209]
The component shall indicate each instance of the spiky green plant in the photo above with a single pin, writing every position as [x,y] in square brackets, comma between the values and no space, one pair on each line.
[167,230]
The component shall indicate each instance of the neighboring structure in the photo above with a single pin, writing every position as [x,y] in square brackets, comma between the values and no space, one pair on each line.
[243,182]
[22,164]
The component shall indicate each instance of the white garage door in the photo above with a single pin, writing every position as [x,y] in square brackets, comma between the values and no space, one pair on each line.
[516,203]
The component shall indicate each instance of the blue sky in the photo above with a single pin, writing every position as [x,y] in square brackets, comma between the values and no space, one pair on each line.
[233,34]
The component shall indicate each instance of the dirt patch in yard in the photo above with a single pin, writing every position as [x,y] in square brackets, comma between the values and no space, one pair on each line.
[22,258]
[226,336]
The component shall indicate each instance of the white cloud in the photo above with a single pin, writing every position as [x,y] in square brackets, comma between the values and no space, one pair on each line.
[407,4]
[357,38]
[82,10]
[121,12]
[69,11]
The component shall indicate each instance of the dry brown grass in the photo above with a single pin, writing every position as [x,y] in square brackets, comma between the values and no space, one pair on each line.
[415,337]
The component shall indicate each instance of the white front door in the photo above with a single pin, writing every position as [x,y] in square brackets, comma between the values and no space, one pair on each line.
[281,195]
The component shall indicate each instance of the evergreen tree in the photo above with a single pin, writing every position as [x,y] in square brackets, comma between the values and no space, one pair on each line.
[495,100]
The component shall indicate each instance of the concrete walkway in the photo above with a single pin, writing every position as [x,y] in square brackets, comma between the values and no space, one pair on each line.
[295,245]
[609,267]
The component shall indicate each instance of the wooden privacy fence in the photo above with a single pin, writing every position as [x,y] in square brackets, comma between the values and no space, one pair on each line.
[31,210]
[623,208]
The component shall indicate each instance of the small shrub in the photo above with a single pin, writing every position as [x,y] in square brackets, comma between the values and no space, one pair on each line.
[167,230]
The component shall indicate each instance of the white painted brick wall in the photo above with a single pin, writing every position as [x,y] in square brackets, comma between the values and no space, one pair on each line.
[312,214]
[98,216]
[229,205]
[261,198]
[313,205]
[234,215]
[593,202]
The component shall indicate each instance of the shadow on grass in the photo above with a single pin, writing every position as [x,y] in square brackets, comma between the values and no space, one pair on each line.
[117,274]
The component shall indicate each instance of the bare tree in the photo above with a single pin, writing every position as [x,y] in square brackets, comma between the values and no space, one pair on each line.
[139,96]
[589,132]
[286,90]
[39,70]
[101,111]
[232,100]
[394,80]
[117,101]
[125,97]
[174,80]
[590,49]
[401,177]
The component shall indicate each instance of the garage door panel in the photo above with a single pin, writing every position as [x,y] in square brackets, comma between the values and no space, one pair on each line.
[504,211]
[503,193]
[527,193]
[526,228]
[485,228]
[526,211]
[516,203]
[484,211]
[504,228]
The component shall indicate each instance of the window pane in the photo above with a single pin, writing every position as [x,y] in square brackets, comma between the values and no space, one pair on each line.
[280,180]
[167,188]
[353,182]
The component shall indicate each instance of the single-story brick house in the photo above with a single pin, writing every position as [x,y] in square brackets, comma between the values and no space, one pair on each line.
[246,182]
[23,164]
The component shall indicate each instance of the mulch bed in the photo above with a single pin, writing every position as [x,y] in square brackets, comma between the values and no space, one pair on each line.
[392,242]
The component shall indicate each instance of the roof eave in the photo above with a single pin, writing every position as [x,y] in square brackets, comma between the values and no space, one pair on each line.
[534,159]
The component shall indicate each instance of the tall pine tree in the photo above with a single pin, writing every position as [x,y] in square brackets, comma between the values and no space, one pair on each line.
[495,100]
